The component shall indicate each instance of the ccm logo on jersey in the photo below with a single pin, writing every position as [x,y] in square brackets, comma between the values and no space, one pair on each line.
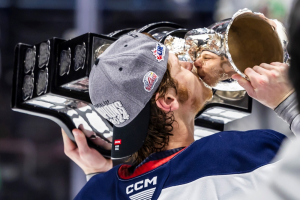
[140,185]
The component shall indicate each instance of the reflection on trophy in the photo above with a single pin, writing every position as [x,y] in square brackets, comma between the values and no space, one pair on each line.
[246,40]
[51,78]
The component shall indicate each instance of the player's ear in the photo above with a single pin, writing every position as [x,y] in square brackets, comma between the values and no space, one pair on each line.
[168,102]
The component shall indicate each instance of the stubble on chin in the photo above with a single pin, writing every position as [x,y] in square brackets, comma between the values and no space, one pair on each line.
[215,75]
[212,78]
[183,94]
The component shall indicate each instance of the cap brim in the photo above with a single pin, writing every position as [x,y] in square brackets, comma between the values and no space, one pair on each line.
[130,138]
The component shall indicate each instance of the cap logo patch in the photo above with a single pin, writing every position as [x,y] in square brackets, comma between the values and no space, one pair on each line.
[114,112]
[118,142]
[149,81]
[159,52]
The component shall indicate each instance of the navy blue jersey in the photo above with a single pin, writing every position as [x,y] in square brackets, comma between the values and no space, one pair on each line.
[219,166]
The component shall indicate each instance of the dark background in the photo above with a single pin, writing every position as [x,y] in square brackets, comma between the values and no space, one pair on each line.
[32,161]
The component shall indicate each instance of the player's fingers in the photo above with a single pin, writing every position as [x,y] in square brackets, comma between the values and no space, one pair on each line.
[69,145]
[81,141]
[236,77]
[245,84]
[260,70]
[253,76]
[267,66]
[277,63]
[281,67]
[276,69]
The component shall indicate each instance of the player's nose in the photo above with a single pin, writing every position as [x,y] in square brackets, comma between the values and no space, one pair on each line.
[198,63]
[187,65]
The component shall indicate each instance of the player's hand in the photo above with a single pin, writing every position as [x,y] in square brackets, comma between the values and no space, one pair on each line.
[88,159]
[269,83]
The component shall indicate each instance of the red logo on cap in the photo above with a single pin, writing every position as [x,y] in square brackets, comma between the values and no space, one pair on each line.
[118,142]
[159,52]
[149,80]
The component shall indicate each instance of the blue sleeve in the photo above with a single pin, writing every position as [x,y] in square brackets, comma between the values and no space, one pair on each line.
[100,186]
[224,153]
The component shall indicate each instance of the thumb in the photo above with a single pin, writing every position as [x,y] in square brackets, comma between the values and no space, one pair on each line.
[244,83]
[80,140]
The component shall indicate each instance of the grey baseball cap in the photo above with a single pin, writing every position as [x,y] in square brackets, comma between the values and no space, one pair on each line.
[121,84]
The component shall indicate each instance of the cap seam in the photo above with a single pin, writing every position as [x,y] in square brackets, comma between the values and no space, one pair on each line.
[91,80]
[122,92]
[129,54]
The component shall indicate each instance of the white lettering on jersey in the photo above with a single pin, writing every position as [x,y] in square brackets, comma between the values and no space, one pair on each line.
[154,180]
[137,187]
[129,189]
[140,185]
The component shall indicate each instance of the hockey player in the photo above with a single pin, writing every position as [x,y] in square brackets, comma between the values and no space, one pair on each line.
[156,99]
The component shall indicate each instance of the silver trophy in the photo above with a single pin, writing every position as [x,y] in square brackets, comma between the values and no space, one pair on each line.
[247,39]
[51,77]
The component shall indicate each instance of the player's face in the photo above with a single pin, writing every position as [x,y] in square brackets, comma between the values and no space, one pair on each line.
[213,68]
[191,90]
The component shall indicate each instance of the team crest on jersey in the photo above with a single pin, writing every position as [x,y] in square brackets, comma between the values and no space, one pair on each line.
[159,52]
[149,80]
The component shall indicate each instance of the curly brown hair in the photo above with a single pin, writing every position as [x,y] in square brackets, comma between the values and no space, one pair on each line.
[160,125]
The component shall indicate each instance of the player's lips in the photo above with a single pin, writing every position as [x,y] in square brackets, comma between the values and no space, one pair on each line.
[190,66]
[202,78]
[187,65]
[194,71]
[198,66]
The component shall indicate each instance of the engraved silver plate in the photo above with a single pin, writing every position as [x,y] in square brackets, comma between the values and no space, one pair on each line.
[44,54]
[80,55]
[29,60]
[42,82]
[28,86]
[65,62]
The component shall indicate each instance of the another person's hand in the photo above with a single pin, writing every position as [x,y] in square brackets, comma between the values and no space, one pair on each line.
[269,83]
[88,159]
